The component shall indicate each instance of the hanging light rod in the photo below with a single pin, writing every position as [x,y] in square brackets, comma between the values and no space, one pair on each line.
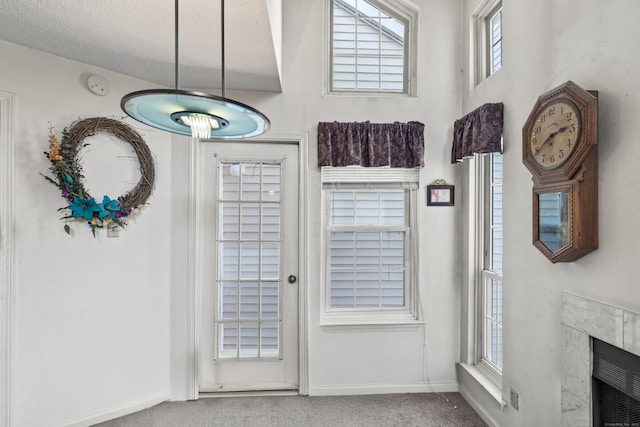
[198,114]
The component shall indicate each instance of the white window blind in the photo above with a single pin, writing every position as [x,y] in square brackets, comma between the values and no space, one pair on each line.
[495,40]
[367,249]
[496,212]
[370,244]
[491,286]
[368,48]
[248,283]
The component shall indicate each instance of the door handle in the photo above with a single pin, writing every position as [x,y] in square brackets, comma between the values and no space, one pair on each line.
[292,279]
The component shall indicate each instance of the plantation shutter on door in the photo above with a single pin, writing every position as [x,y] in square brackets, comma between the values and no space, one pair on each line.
[249,248]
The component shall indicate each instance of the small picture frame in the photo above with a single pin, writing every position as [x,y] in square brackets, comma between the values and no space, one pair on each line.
[440,195]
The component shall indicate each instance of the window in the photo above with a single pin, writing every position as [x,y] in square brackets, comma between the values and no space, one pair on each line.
[370,46]
[489,337]
[495,40]
[370,246]
[488,36]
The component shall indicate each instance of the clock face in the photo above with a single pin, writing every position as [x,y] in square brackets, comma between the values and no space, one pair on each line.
[554,133]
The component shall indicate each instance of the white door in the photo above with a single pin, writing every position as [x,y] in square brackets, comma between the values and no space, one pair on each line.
[249,243]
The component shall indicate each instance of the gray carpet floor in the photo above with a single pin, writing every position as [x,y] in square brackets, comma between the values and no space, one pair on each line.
[415,409]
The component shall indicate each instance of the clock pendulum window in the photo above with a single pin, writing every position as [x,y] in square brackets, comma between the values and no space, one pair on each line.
[560,149]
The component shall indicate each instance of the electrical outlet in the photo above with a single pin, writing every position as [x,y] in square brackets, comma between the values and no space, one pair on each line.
[514,398]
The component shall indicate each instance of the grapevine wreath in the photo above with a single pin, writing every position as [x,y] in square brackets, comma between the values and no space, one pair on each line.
[67,171]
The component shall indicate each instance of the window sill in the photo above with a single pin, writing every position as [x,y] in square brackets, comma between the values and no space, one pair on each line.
[364,94]
[485,382]
[368,319]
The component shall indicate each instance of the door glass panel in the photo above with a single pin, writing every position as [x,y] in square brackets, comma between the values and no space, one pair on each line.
[230,222]
[249,299]
[269,338]
[249,259]
[228,260]
[250,221]
[493,321]
[270,221]
[228,300]
[230,188]
[249,339]
[249,253]
[553,210]
[270,183]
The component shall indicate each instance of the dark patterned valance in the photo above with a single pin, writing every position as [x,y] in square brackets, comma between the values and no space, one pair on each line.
[398,145]
[480,131]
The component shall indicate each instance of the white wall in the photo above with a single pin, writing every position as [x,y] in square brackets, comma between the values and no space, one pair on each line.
[91,318]
[92,324]
[375,359]
[546,44]
[101,323]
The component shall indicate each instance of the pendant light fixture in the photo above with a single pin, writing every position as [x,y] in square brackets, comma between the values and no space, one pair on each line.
[197,114]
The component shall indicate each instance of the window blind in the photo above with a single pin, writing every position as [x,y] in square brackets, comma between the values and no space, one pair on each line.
[368,48]
[367,238]
[249,245]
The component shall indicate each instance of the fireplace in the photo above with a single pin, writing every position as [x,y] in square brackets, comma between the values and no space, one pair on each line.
[616,386]
[585,323]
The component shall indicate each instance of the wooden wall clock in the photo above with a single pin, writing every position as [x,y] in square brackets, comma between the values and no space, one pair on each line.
[559,147]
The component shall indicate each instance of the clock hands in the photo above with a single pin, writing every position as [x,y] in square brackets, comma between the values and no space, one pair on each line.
[551,135]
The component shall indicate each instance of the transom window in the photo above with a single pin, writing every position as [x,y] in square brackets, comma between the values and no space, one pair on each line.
[370,46]
[495,39]
[488,39]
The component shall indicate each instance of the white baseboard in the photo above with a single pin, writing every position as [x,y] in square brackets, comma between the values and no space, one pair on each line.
[481,410]
[363,389]
[120,412]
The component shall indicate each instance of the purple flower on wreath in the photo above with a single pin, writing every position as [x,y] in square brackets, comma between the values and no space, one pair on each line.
[65,193]
[123,214]
[84,208]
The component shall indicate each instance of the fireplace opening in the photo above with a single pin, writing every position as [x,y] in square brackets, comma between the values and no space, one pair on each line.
[616,386]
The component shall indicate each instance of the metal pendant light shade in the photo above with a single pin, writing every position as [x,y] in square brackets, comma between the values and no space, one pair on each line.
[197,114]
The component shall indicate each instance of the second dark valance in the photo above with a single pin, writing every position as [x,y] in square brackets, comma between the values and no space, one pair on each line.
[480,131]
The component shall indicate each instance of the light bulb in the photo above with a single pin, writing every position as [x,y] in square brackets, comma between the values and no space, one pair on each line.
[200,125]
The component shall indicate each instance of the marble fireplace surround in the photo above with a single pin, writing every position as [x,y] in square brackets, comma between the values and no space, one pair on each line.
[582,319]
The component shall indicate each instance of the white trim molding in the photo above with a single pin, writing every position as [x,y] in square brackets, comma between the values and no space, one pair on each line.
[7,215]
[364,389]
[120,412]
[195,255]
[193,281]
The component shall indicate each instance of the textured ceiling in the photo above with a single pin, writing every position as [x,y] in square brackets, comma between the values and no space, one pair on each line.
[137,38]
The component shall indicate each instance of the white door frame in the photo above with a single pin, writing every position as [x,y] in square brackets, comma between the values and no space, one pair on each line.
[194,283]
[7,217]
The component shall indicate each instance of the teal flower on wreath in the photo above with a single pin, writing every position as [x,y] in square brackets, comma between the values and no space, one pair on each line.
[110,207]
[84,208]
[67,178]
